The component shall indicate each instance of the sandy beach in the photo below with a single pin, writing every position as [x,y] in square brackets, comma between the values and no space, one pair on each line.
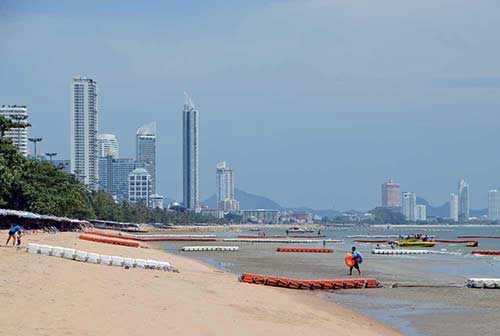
[44,295]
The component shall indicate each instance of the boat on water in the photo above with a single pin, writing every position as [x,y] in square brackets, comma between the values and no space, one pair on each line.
[255,229]
[415,243]
[296,229]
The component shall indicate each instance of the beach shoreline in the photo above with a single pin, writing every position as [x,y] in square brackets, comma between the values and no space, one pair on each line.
[62,297]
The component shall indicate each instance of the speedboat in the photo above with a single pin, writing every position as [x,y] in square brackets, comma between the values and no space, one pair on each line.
[415,243]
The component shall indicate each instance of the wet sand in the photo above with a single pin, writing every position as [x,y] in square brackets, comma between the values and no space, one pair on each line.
[449,308]
[44,295]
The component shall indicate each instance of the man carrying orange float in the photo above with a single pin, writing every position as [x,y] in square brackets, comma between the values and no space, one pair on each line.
[353,260]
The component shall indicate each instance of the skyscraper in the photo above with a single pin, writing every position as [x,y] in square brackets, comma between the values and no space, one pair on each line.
[139,186]
[463,200]
[391,194]
[225,188]
[145,150]
[409,204]
[191,196]
[494,205]
[114,176]
[454,207]
[421,213]
[107,144]
[19,136]
[84,127]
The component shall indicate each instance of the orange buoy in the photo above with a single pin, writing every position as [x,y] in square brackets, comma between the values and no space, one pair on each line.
[349,260]
[109,241]
[308,284]
[305,249]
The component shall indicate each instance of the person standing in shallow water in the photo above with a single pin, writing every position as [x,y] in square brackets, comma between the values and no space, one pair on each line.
[357,258]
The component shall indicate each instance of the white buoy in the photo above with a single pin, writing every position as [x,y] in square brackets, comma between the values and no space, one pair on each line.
[57,251]
[81,256]
[33,248]
[93,258]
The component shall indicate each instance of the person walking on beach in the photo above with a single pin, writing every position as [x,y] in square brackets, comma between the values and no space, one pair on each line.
[357,260]
[15,230]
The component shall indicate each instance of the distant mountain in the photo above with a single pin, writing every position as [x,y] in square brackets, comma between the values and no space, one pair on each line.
[247,201]
[252,201]
[444,210]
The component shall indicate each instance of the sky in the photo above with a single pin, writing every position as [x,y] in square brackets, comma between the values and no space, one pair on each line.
[312,103]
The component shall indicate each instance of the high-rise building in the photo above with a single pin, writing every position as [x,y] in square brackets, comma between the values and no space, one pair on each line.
[145,150]
[191,196]
[421,213]
[463,200]
[494,205]
[391,194]
[454,207]
[107,144]
[225,188]
[18,136]
[113,176]
[139,186]
[409,204]
[84,128]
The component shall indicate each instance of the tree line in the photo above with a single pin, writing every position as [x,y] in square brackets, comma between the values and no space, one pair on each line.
[40,187]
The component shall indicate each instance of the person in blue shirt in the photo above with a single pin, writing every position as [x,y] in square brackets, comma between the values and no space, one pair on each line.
[357,260]
[13,232]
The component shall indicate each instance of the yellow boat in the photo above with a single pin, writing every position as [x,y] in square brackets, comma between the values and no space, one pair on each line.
[415,243]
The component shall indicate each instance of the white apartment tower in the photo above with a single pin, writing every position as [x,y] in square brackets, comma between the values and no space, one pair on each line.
[421,213]
[463,200]
[225,188]
[409,204]
[107,144]
[454,207]
[84,128]
[139,186]
[19,136]
[190,169]
[494,205]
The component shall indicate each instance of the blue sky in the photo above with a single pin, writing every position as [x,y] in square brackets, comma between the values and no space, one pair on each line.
[312,102]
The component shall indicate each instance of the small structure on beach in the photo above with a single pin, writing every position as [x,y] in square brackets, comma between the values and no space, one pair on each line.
[34,221]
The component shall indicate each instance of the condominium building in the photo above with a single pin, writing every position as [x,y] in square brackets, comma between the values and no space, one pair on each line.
[494,205]
[114,176]
[454,207]
[145,150]
[139,186]
[391,194]
[463,200]
[408,206]
[190,141]
[421,213]
[264,216]
[107,144]
[84,128]
[225,188]
[18,136]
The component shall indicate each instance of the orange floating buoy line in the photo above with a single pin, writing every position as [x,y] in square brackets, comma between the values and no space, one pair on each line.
[458,241]
[147,239]
[486,252]
[275,281]
[108,241]
[305,249]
